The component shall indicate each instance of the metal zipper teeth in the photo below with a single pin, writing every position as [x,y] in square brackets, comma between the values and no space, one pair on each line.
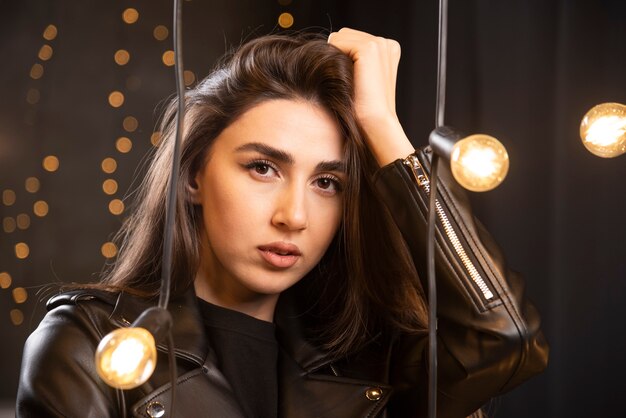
[423,182]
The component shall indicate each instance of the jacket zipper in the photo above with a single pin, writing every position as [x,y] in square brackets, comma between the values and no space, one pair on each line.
[423,182]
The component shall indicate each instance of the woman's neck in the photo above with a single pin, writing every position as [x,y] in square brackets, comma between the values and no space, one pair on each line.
[228,295]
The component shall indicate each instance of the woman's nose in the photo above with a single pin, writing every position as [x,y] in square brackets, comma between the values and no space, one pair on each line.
[291,211]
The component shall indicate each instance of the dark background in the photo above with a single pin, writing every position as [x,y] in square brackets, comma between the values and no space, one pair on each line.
[524,71]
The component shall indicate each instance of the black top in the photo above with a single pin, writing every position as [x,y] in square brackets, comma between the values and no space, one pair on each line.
[247,354]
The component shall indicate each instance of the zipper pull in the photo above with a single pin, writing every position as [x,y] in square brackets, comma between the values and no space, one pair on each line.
[418,172]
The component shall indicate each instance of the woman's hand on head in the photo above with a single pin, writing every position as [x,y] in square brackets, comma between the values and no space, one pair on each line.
[375,70]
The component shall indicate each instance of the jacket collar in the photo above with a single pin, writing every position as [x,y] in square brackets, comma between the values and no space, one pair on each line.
[190,340]
[192,344]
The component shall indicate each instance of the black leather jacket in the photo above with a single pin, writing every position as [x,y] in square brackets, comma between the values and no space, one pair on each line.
[487,345]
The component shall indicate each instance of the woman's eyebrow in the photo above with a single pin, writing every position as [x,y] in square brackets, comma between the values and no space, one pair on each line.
[334,165]
[269,151]
[287,158]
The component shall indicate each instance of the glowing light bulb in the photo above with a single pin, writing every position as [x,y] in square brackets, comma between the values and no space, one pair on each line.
[126,357]
[479,162]
[603,130]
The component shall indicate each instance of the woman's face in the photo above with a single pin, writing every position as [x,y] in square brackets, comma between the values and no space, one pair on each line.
[271,197]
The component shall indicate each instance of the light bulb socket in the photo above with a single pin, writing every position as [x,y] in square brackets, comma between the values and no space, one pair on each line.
[442,140]
[158,321]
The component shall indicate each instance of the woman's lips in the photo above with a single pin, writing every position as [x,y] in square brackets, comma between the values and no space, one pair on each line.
[280,254]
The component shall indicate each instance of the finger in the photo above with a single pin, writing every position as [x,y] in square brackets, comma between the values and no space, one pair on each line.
[386,50]
[354,32]
[351,35]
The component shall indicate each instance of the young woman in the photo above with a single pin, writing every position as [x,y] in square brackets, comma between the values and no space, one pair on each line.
[298,244]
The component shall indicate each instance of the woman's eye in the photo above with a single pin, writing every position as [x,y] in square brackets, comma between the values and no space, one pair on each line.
[324,183]
[328,185]
[261,168]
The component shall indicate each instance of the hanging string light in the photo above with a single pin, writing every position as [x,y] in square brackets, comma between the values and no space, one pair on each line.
[126,358]
[478,162]
[603,130]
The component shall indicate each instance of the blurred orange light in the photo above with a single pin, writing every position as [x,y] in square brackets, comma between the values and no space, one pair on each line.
[168,58]
[50,32]
[109,186]
[285,20]
[130,15]
[22,250]
[36,71]
[17,317]
[121,57]
[45,52]
[116,98]
[8,197]
[32,185]
[40,208]
[51,163]
[160,33]
[123,144]
[108,250]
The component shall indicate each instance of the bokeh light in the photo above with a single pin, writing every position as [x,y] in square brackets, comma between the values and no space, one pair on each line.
[109,186]
[116,207]
[130,15]
[22,250]
[50,32]
[108,250]
[40,208]
[51,163]
[116,98]
[8,197]
[168,58]
[45,52]
[20,295]
[32,185]
[17,317]
[189,77]
[109,165]
[123,144]
[160,33]
[36,71]
[33,96]
[9,224]
[285,20]
[155,138]
[121,57]
[5,280]
[23,221]
[130,124]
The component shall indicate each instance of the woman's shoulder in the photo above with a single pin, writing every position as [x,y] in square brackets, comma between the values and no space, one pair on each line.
[58,355]
[74,324]
[76,296]
[87,310]
[76,321]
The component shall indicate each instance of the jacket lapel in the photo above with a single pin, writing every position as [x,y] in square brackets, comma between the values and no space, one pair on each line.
[305,389]
[190,340]
[201,392]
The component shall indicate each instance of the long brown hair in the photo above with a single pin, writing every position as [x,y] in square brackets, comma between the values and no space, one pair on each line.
[366,279]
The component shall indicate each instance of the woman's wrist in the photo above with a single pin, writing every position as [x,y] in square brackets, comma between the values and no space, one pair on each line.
[387,140]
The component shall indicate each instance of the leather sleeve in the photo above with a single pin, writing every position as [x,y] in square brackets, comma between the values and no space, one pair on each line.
[58,378]
[485,346]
